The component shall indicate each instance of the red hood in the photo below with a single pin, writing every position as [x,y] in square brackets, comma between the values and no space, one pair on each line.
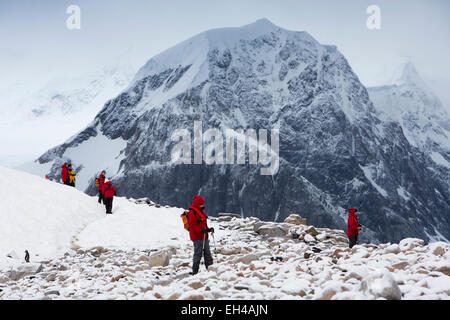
[352,210]
[64,166]
[198,201]
[109,182]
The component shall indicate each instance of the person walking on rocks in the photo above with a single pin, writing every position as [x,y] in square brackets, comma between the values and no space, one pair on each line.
[353,227]
[108,194]
[198,232]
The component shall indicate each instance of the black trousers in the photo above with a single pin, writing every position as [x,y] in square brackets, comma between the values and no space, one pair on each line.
[352,240]
[108,204]
[199,251]
[100,197]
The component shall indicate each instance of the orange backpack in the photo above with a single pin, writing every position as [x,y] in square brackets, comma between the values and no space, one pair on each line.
[185,219]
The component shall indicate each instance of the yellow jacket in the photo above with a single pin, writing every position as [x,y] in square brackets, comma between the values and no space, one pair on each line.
[72,176]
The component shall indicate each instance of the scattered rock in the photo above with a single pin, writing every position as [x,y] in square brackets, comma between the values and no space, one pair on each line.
[295,219]
[321,236]
[312,231]
[196,285]
[231,215]
[410,243]
[23,270]
[271,231]
[142,257]
[159,259]
[381,284]
[241,287]
[51,277]
[400,265]
[327,294]
[117,278]
[309,238]
[439,251]
[393,248]
[50,292]
[296,287]
[247,258]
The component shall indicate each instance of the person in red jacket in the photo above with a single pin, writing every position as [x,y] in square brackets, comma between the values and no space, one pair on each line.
[101,182]
[65,173]
[198,232]
[353,227]
[108,194]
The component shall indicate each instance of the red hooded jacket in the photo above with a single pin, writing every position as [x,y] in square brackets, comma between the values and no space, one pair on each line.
[352,228]
[101,182]
[108,190]
[197,220]
[64,172]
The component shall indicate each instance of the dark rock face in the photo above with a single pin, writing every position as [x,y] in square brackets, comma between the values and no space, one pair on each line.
[335,152]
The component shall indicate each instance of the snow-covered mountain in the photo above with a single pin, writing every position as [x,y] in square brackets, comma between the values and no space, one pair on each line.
[408,100]
[336,151]
[57,110]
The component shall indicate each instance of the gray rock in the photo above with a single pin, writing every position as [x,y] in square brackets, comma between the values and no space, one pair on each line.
[393,248]
[23,270]
[312,231]
[247,258]
[410,243]
[50,292]
[159,258]
[272,231]
[381,284]
[232,215]
[295,219]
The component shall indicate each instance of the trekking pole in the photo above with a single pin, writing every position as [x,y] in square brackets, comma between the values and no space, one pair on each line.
[204,237]
[215,247]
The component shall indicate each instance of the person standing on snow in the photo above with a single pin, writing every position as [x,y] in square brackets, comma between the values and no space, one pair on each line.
[72,175]
[100,181]
[353,227]
[65,174]
[109,192]
[198,232]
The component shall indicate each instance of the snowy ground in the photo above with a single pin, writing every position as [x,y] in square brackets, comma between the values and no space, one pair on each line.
[143,252]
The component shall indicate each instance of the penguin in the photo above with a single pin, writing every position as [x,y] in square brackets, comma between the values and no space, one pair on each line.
[27,256]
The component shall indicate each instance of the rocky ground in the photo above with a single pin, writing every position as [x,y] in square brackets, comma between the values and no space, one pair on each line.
[253,260]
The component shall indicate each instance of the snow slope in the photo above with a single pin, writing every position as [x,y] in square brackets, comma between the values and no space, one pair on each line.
[39,215]
[48,218]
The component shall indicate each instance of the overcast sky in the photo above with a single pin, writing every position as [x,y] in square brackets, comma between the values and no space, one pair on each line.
[36,44]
